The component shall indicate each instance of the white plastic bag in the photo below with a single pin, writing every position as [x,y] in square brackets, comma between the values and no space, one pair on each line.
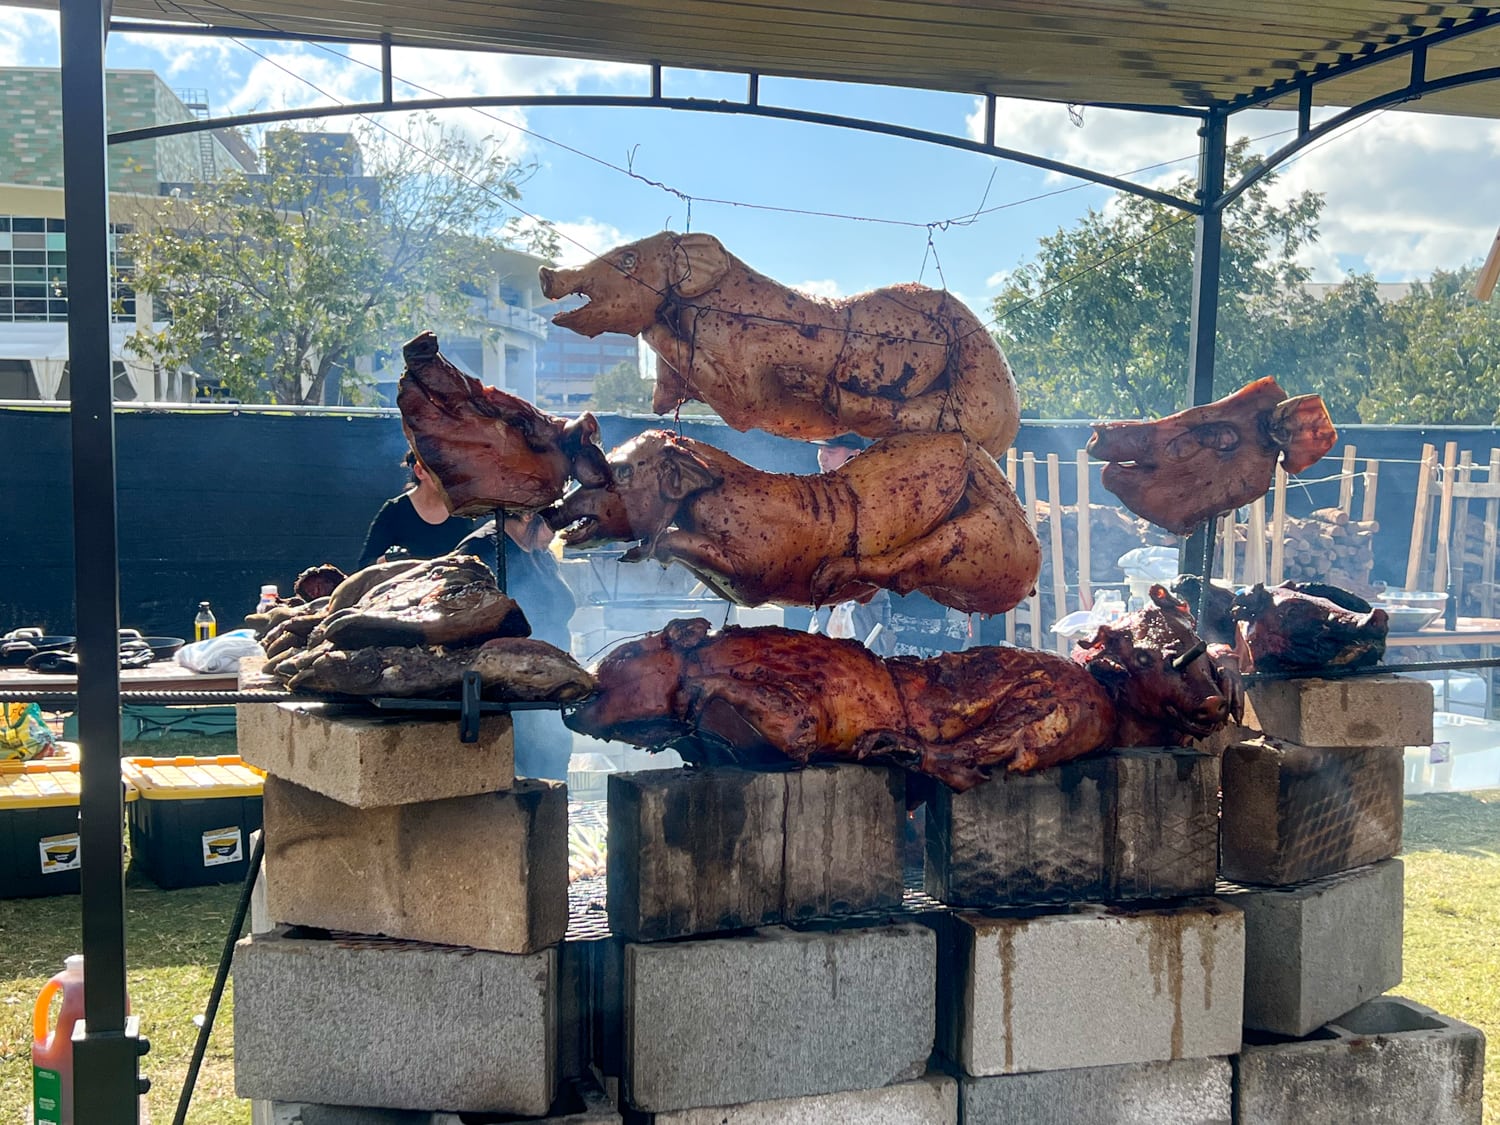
[222,653]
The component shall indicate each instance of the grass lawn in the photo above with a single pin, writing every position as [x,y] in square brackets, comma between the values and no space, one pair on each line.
[1452,959]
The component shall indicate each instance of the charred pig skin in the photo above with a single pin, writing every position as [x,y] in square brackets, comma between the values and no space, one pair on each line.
[1181,470]
[914,512]
[808,697]
[1310,626]
[487,449]
[1168,686]
[764,356]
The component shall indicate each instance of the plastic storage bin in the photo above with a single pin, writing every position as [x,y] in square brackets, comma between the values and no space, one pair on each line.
[39,850]
[192,824]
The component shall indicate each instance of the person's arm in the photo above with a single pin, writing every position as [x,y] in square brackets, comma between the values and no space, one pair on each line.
[379,537]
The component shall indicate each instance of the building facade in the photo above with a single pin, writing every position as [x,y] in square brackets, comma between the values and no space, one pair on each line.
[570,363]
[33,249]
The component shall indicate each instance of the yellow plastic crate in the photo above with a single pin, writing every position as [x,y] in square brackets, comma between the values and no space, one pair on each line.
[193,821]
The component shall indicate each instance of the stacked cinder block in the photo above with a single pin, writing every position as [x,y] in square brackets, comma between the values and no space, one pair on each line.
[1312,812]
[415,896]
[758,973]
[1088,974]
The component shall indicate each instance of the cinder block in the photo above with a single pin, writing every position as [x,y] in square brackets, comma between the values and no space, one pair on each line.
[1182,1092]
[1293,813]
[1358,711]
[579,1104]
[369,760]
[698,851]
[931,1100]
[1163,836]
[1093,986]
[1021,838]
[1314,951]
[394,1025]
[260,912]
[1388,1062]
[779,1013]
[489,871]
[1120,826]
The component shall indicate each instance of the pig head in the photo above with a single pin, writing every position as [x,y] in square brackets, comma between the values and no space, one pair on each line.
[1308,626]
[1167,685]
[640,698]
[625,288]
[649,479]
[487,449]
[1181,470]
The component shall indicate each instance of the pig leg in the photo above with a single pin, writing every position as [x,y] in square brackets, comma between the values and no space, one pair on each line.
[750,714]
[671,389]
[694,551]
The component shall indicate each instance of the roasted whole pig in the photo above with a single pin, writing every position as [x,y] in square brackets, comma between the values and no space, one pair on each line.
[485,448]
[1181,470]
[1309,626]
[1168,686]
[903,359]
[777,693]
[510,668]
[928,512]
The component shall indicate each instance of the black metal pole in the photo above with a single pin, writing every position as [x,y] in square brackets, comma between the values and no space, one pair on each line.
[105,1085]
[1208,246]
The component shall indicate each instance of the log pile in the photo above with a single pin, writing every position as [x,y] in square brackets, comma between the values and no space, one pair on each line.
[1327,546]
[1112,532]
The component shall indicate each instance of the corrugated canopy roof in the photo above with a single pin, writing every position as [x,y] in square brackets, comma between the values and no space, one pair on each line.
[1150,52]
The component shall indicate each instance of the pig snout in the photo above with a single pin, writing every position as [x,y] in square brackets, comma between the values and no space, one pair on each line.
[552,286]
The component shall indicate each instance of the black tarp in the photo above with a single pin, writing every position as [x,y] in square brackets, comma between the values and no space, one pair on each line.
[212,505]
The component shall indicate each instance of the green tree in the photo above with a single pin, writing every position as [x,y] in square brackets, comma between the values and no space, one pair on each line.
[278,283]
[1438,359]
[622,389]
[1096,325]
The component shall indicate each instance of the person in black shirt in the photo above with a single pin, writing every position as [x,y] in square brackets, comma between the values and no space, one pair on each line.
[543,744]
[417,520]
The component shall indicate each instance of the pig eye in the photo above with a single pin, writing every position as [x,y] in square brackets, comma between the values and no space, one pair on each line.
[627,260]
[1144,659]
[623,473]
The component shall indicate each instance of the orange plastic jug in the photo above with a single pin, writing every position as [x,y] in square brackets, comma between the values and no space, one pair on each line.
[52,1049]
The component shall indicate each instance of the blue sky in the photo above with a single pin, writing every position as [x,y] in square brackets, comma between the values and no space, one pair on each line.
[1406,193]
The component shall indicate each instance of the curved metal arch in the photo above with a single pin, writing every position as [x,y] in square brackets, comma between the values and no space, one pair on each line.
[1418,89]
[655,101]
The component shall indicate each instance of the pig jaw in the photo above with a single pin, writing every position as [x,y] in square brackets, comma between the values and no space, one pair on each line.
[587,517]
[614,301]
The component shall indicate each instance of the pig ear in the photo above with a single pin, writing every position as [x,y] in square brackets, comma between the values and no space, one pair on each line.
[685,473]
[698,263]
[686,634]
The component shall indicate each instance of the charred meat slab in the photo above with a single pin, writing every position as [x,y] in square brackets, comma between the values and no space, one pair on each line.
[485,448]
[510,669]
[914,512]
[1181,470]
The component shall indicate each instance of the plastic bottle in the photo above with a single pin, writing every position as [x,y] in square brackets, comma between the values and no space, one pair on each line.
[204,625]
[52,1050]
[269,596]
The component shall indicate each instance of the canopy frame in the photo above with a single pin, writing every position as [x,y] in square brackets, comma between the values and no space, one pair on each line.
[106,1082]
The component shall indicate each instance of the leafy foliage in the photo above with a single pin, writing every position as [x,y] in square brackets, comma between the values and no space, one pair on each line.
[622,389]
[1112,341]
[277,283]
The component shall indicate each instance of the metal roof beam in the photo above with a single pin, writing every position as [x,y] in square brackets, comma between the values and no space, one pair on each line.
[1352,63]
[698,105]
[1338,121]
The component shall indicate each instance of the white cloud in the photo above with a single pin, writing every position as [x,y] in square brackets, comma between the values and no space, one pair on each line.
[827,287]
[28,38]
[1406,193]
[585,239]
[997,279]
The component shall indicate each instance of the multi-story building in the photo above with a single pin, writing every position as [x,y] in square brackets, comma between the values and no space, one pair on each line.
[569,363]
[33,254]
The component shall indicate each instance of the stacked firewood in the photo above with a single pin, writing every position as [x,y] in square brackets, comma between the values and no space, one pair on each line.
[1112,532]
[1327,546]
